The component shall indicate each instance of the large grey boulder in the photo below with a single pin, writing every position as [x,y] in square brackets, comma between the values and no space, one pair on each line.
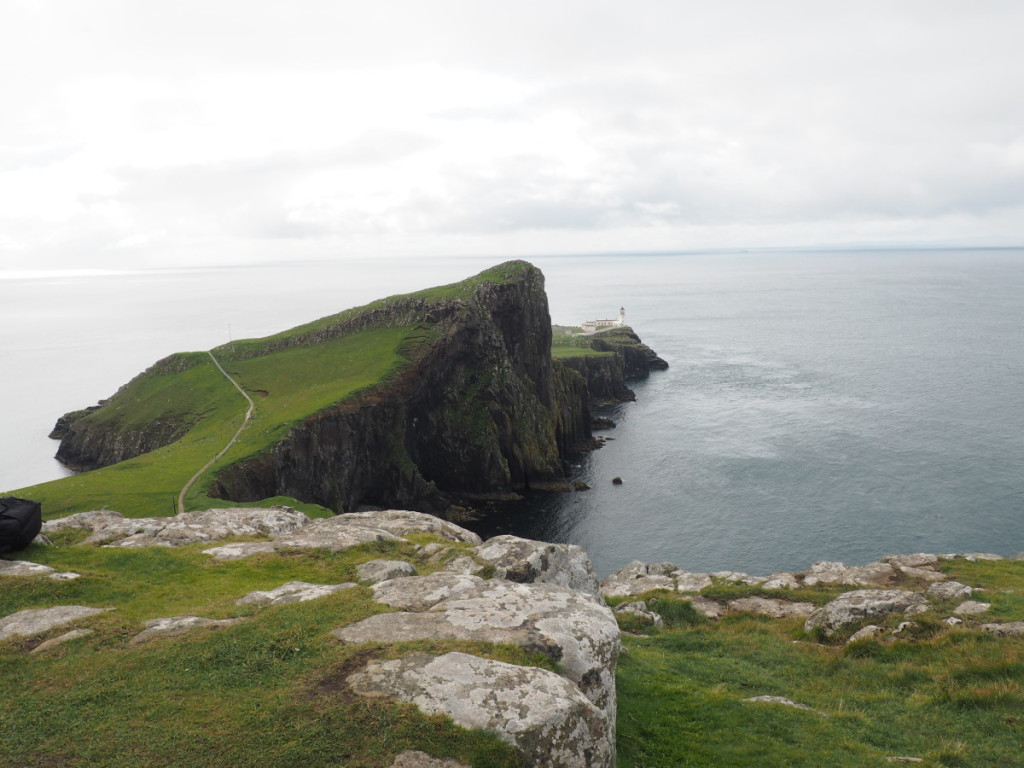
[419,593]
[402,522]
[541,713]
[35,621]
[568,626]
[918,560]
[292,592]
[863,604]
[527,561]
[971,608]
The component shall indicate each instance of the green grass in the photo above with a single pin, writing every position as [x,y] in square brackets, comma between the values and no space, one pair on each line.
[267,692]
[951,696]
[573,346]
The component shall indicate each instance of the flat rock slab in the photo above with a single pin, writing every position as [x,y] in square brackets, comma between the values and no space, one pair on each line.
[35,621]
[862,604]
[527,561]
[74,634]
[870,575]
[415,759]
[971,608]
[178,625]
[287,528]
[949,590]
[420,593]
[115,530]
[292,592]
[343,532]
[541,713]
[383,570]
[776,609]
[568,626]
[1006,629]
[782,701]
[26,568]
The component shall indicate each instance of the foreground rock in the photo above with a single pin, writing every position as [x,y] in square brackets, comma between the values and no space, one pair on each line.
[862,604]
[113,529]
[541,713]
[568,626]
[35,621]
[292,592]
[527,561]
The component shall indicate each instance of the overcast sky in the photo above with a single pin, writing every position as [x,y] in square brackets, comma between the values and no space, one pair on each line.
[152,133]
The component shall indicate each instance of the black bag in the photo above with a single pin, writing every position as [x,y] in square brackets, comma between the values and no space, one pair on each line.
[20,522]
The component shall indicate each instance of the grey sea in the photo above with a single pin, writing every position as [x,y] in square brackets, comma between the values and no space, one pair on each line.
[831,405]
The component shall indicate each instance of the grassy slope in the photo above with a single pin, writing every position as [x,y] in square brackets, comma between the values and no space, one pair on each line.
[953,697]
[287,386]
[267,692]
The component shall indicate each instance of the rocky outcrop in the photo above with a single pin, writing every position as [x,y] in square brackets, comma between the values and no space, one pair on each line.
[863,604]
[528,561]
[573,629]
[286,528]
[292,592]
[541,713]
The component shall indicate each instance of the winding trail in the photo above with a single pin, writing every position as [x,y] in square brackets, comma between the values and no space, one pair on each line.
[211,462]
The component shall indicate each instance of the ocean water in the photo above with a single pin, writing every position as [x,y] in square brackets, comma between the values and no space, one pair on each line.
[819,405]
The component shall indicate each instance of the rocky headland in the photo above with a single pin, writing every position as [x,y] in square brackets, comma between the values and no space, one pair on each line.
[476,407]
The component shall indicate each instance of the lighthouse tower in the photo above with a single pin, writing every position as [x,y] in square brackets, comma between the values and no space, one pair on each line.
[622,316]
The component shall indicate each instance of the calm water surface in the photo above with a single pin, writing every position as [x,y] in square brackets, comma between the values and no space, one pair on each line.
[818,406]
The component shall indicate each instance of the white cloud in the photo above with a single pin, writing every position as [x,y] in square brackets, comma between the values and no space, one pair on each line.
[196,131]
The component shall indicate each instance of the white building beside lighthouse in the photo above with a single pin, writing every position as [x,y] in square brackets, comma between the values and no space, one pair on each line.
[589,326]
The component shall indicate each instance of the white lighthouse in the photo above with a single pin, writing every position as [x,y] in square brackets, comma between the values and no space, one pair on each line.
[590,326]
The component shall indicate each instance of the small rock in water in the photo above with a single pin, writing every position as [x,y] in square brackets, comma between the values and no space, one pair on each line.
[616,481]
[579,485]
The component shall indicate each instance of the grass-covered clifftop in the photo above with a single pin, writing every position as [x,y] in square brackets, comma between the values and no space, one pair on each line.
[400,402]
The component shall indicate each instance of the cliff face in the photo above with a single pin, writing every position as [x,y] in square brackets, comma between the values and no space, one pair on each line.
[481,408]
[605,376]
